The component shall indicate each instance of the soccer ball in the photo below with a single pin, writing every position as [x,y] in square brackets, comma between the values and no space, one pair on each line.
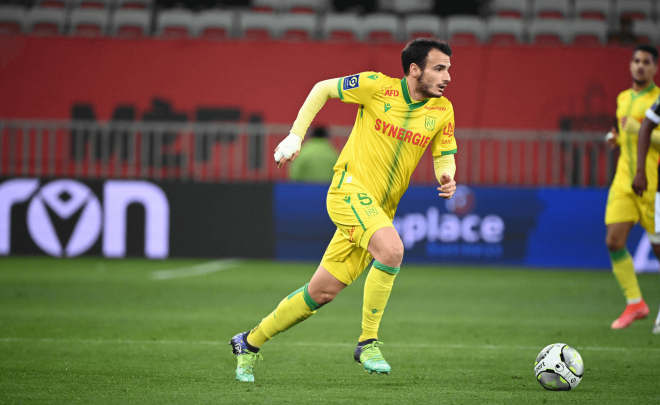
[559,367]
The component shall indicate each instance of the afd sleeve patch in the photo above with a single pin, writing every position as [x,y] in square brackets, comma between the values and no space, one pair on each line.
[351,82]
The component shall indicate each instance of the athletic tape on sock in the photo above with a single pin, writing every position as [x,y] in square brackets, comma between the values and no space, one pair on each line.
[387,269]
[308,299]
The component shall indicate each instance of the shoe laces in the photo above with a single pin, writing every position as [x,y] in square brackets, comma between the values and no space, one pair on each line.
[372,352]
[247,359]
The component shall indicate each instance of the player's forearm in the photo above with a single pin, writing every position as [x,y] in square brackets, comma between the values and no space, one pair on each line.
[444,164]
[313,104]
[643,142]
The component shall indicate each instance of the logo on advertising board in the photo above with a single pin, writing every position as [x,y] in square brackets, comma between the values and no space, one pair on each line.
[458,233]
[66,218]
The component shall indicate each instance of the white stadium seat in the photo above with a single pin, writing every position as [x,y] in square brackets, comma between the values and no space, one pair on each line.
[549,32]
[510,8]
[129,23]
[466,30]
[135,4]
[45,21]
[298,27]
[647,31]
[342,27]
[593,9]
[635,9]
[427,25]
[258,26]
[588,33]
[551,9]
[215,24]
[87,22]
[505,31]
[381,28]
[412,6]
[175,23]
[305,6]
[266,6]
[12,19]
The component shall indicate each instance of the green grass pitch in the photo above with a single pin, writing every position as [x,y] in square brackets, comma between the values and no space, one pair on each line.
[94,331]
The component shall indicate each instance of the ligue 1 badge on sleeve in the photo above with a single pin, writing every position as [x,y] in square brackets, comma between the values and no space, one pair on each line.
[351,82]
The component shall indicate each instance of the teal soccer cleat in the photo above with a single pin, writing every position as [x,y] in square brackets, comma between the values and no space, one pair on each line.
[246,357]
[368,354]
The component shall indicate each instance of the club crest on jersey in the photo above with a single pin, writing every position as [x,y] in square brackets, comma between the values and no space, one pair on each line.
[429,123]
[351,82]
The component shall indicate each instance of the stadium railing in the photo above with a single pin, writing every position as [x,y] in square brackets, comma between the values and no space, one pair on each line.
[242,152]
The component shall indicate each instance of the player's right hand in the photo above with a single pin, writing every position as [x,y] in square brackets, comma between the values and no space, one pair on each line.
[639,183]
[611,138]
[288,149]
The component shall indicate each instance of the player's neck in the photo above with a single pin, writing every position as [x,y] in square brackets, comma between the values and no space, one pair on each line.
[641,86]
[415,95]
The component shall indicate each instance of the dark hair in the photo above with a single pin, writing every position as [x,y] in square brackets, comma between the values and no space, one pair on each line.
[417,50]
[648,48]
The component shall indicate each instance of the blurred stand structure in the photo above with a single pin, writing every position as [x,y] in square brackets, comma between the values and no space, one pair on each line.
[316,160]
[242,152]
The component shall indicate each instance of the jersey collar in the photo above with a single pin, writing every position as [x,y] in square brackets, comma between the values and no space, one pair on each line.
[646,90]
[406,96]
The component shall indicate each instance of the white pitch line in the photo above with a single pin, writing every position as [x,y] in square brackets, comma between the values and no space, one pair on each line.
[400,345]
[204,268]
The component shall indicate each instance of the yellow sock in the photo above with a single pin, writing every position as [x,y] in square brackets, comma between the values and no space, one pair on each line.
[377,291]
[622,264]
[294,309]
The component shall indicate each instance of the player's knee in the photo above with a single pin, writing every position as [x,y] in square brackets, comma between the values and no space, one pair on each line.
[324,297]
[393,256]
[613,243]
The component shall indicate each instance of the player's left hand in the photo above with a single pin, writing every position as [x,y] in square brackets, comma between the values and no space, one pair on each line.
[639,183]
[448,186]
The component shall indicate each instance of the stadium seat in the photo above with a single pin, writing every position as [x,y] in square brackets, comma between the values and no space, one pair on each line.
[465,30]
[135,4]
[412,6]
[266,6]
[45,21]
[593,9]
[94,4]
[175,24]
[128,23]
[551,9]
[381,28]
[510,8]
[505,31]
[634,9]
[305,6]
[12,19]
[258,26]
[52,3]
[88,22]
[342,27]
[416,26]
[647,31]
[549,32]
[588,33]
[215,24]
[298,27]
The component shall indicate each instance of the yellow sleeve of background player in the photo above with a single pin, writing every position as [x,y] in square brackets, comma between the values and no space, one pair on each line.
[632,125]
[313,104]
[444,142]
[359,88]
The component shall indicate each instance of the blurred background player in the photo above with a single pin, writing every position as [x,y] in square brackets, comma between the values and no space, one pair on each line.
[624,207]
[396,121]
[316,160]
[640,183]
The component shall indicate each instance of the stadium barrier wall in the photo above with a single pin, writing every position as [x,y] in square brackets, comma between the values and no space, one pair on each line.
[120,218]
[543,227]
[516,87]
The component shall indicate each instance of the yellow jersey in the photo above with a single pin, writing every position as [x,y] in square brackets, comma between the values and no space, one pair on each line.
[390,134]
[634,104]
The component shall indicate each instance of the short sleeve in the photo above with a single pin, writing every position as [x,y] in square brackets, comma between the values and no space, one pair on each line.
[358,88]
[653,113]
[444,142]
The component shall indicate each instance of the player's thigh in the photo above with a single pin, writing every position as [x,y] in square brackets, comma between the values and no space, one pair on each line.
[344,260]
[356,213]
[621,207]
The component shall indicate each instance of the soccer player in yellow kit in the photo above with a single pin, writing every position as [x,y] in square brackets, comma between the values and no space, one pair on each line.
[625,207]
[397,120]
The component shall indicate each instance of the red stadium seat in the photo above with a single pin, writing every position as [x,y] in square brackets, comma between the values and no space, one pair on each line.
[551,9]
[128,23]
[51,3]
[297,27]
[305,6]
[88,22]
[634,9]
[134,4]
[505,31]
[175,24]
[258,26]
[646,31]
[548,32]
[44,21]
[588,33]
[266,6]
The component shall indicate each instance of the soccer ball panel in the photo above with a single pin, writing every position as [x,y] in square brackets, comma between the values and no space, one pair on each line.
[559,367]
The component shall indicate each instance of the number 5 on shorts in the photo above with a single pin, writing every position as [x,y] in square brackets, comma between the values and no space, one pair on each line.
[363,197]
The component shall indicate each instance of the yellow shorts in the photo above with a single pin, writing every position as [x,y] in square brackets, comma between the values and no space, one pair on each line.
[624,206]
[357,216]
